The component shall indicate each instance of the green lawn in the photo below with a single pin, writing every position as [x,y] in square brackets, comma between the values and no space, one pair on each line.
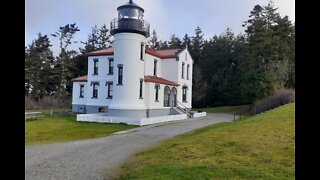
[258,147]
[59,127]
[225,109]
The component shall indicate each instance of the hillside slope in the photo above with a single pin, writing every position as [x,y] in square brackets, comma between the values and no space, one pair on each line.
[259,147]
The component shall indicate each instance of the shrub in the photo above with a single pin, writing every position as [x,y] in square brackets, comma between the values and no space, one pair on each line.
[279,98]
[47,102]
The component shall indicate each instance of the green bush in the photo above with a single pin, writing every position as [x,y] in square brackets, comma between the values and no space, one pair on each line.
[47,102]
[279,98]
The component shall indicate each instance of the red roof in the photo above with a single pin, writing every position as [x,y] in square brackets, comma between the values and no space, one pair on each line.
[102,52]
[159,80]
[163,54]
[80,79]
[168,53]
[153,79]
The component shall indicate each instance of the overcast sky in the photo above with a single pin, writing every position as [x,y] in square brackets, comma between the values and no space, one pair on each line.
[165,16]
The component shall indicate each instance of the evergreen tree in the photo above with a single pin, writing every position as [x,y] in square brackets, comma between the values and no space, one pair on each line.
[270,41]
[174,42]
[220,64]
[199,88]
[39,73]
[98,39]
[65,34]
[257,82]
[164,45]
[92,43]
[154,41]
[104,38]
[199,84]
[197,45]
[186,41]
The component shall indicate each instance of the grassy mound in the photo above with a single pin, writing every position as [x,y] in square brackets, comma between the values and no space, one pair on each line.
[258,147]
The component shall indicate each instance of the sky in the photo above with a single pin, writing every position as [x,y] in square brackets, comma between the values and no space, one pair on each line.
[167,17]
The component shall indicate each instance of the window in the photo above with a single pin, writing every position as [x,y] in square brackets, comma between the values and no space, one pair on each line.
[95,66]
[110,66]
[140,92]
[81,90]
[182,75]
[157,87]
[188,66]
[102,109]
[110,90]
[120,74]
[141,51]
[185,56]
[155,62]
[95,89]
[184,94]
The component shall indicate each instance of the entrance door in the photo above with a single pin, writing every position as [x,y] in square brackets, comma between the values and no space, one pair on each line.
[173,97]
[166,99]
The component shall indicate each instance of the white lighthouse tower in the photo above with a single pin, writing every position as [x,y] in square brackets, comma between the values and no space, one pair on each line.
[130,32]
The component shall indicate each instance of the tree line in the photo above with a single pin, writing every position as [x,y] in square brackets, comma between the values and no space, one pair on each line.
[228,69]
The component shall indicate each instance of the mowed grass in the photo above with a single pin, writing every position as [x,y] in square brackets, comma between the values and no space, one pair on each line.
[59,128]
[225,109]
[258,147]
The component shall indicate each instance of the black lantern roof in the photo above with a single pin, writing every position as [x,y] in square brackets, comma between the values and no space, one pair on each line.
[130,4]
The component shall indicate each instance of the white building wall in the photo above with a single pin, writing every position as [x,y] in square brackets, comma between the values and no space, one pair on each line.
[127,95]
[76,93]
[152,104]
[149,66]
[127,52]
[184,57]
[102,78]
[169,69]
[147,94]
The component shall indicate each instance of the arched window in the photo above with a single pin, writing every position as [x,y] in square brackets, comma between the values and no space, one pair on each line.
[166,97]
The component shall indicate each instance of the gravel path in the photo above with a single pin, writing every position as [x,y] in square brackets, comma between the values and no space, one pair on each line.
[92,159]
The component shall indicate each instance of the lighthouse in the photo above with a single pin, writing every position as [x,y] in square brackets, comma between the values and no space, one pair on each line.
[130,32]
[132,83]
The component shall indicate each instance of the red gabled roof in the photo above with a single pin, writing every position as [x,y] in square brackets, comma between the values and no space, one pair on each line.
[80,79]
[159,80]
[163,54]
[168,53]
[102,52]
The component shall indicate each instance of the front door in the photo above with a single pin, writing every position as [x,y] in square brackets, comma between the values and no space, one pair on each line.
[173,97]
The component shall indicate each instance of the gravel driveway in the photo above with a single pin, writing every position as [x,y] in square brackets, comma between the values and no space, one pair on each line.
[92,159]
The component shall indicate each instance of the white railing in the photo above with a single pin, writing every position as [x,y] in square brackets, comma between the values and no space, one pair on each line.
[184,109]
[32,115]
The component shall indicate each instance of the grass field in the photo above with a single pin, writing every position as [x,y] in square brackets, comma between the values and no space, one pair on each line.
[258,147]
[225,109]
[60,127]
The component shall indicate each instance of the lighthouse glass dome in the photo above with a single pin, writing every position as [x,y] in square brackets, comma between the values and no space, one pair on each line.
[130,19]
[131,13]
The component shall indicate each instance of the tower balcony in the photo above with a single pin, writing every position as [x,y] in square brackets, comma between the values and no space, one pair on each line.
[130,25]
